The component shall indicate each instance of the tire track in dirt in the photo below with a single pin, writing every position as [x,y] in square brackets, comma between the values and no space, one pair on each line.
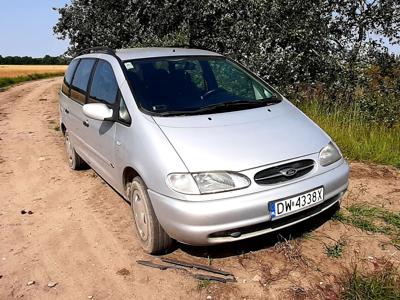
[80,233]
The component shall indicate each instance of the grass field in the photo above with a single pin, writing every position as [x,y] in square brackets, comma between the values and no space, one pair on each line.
[12,74]
[358,140]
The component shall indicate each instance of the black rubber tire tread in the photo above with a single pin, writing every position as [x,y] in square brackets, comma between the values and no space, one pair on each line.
[158,240]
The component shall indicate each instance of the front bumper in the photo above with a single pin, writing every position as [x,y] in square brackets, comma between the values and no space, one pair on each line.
[219,221]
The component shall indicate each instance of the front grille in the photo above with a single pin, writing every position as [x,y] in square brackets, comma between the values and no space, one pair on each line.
[284,172]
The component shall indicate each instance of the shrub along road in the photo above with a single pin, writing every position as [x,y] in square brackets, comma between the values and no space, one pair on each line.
[79,241]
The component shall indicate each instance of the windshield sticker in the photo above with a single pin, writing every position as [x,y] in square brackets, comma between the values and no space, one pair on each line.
[128,65]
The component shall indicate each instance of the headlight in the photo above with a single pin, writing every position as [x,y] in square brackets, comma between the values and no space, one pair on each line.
[215,182]
[329,154]
[182,183]
[207,182]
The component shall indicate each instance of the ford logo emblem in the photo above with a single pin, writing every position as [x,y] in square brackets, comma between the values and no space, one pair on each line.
[288,172]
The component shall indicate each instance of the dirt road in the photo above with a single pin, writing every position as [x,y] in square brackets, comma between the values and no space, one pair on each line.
[81,238]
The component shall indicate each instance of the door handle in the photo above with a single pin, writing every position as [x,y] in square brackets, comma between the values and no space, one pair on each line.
[66,111]
[86,123]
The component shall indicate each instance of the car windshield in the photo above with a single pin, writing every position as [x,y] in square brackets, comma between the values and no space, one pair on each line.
[195,85]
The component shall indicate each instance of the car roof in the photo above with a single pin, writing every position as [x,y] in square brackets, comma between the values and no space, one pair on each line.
[138,53]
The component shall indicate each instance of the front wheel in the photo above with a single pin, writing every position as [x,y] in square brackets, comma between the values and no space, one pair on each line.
[152,236]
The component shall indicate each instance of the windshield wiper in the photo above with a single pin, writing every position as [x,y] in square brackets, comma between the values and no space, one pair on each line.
[238,104]
[224,106]
[271,100]
[174,113]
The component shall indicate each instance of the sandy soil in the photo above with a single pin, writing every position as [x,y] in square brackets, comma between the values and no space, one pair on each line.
[80,235]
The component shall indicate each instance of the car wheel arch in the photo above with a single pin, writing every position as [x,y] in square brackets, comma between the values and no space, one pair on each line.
[63,128]
[128,175]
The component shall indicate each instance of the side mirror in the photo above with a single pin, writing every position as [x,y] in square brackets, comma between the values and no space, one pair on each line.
[98,111]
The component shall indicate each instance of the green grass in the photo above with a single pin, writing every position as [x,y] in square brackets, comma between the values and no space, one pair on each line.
[363,212]
[339,216]
[335,250]
[203,284]
[358,139]
[7,81]
[372,219]
[380,285]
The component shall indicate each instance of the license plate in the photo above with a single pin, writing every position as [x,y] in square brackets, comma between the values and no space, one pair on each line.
[287,206]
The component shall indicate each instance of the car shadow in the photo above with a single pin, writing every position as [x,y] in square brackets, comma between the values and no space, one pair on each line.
[260,242]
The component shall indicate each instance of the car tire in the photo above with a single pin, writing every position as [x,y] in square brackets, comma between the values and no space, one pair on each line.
[153,238]
[74,160]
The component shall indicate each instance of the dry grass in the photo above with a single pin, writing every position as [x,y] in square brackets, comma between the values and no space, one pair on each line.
[11,71]
[291,249]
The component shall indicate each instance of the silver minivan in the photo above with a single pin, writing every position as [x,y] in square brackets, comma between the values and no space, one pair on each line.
[204,150]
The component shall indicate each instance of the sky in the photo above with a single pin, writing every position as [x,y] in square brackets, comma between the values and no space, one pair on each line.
[26,28]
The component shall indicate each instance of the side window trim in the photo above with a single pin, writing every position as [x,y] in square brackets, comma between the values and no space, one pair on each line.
[89,87]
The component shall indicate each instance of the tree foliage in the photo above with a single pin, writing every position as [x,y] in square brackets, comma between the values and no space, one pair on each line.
[294,44]
[27,60]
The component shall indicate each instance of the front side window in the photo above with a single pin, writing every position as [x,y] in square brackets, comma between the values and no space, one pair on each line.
[123,113]
[195,85]
[104,86]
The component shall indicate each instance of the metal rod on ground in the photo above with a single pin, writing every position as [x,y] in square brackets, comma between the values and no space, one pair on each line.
[196,266]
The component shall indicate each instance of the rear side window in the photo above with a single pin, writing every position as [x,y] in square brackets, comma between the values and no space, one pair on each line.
[81,79]
[70,71]
[104,86]
[68,76]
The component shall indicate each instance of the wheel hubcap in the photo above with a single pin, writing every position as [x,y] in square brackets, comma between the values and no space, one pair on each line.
[70,151]
[139,211]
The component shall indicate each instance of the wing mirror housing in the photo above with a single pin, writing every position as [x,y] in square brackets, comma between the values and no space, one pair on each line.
[98,111]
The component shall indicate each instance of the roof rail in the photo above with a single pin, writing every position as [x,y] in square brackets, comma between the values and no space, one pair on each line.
[188,46]
[105,50]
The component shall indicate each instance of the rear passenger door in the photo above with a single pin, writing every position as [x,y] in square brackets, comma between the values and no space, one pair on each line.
[77,127]
[103,89]
[65,93]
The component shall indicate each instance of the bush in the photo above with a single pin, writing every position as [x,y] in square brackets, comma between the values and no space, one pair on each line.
[383,110]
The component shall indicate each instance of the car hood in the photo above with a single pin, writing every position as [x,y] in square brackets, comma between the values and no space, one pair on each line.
[245,139]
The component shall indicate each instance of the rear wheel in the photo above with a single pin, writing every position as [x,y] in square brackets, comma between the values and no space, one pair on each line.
[74,160]
[152,236]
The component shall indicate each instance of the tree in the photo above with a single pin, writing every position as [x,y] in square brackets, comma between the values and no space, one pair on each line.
[27,60]
[289,42]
